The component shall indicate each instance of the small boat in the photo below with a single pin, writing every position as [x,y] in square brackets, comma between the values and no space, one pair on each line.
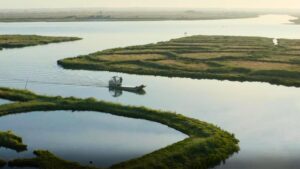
[116,84]
[132,89]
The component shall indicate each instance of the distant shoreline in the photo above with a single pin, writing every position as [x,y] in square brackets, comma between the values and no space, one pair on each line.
[111,15]
[117,20]
[104,16]
[20,20]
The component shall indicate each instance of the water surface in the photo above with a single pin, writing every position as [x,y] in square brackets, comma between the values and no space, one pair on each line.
[87,136]
[2,101]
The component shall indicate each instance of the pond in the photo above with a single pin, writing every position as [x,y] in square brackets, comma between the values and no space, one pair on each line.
[101,138]
[262,116]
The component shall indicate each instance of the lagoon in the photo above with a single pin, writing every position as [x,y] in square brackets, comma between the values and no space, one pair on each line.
[87,136]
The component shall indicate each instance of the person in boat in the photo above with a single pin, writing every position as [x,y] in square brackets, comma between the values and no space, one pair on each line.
[116,82]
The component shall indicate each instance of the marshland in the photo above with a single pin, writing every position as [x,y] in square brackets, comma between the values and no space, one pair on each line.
[256,113]
[17,41]
[203,57]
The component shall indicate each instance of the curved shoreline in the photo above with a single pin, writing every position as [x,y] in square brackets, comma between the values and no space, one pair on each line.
[234,58]
[207,145]
[202,75]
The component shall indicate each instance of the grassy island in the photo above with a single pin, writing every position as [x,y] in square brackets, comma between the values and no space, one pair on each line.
[11,141]
[206,146]
[203,57]
[17,41]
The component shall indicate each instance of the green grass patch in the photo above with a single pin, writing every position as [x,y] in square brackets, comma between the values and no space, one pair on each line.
[46,160]
[17,41]
[10,140]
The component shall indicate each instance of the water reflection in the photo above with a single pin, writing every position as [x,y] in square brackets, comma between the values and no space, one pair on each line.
[115,92]
[118,92]
[87,136]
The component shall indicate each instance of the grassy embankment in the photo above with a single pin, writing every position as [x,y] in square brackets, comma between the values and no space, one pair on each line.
[46,160]
[11,141]
[206,146]
[203,57]
[17,41]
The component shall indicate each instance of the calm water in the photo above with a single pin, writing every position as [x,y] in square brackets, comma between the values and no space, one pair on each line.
[2,101]
[87,136]
[264,117]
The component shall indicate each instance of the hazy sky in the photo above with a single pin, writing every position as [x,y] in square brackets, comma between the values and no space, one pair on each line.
[11,4]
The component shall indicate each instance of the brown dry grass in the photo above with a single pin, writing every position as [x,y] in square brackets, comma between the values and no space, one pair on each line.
[253,65]
[211,55]
[117,57]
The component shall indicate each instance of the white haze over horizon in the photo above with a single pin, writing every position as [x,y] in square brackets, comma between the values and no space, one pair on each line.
[258,4]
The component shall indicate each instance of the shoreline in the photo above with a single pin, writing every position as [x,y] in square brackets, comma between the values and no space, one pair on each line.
[120,20]
[20,41]
[201,57]
[206,146]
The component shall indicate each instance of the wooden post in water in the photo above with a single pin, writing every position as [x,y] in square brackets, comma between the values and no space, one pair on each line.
[26,84]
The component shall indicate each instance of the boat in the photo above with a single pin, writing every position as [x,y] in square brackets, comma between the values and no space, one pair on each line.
[116,84]
[132,89]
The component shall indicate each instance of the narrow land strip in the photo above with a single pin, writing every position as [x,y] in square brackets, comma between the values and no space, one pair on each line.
[18,41]
[207,145]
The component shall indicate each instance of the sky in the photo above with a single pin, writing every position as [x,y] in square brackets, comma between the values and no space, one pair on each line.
[26,4]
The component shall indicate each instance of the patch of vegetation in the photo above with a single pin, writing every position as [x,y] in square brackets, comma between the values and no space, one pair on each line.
[46,160]
[202,57]
[10,140]
[17,41]
[206,146]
